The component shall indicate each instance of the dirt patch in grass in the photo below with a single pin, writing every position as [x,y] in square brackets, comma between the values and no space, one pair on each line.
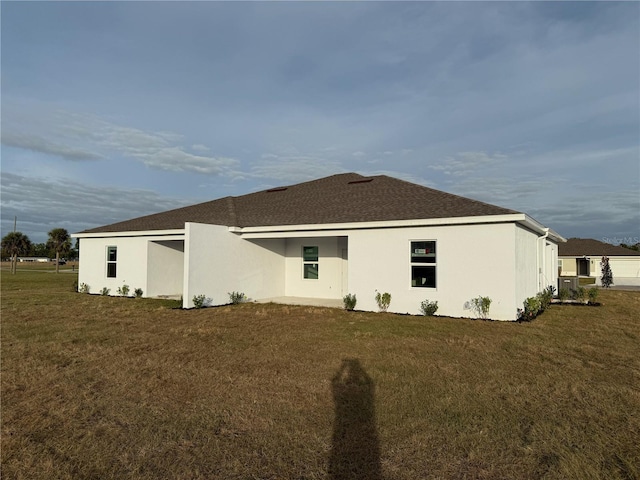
[101,387]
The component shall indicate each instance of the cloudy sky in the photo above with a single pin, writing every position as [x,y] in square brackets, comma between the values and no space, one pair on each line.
[116,110]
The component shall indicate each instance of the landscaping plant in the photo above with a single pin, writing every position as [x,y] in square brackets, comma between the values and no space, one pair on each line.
[237,297]
[593,294]
[428,308]
[349,301]
[481,306]
[607,275]
[200,301]
[383,300]
[123,290]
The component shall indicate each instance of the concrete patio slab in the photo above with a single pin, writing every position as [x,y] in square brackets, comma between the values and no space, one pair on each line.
[314,302]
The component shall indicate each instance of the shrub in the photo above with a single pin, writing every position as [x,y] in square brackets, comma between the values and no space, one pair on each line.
[593,294]
[123,290]
[138,292]
[349,301]
[580,294]
[383,300]
[545,297]
[237,297]
[105,291]
[532,307]
[200,301]
[481,306]
[84,288]
[607,275]
[428,308]
[563,294]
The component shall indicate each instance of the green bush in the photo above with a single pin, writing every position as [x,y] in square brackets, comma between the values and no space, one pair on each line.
[383,300]
[200,301]
[593,294]
[138,292]
[349,301]
[580,294]
[237,297]
[84,288]
[428,308]
[531,309]
[105,291]
[481,306]
[563,294]
[123,290]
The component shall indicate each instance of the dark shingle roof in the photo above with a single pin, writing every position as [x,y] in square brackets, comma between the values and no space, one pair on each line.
[342,198]
[578,247]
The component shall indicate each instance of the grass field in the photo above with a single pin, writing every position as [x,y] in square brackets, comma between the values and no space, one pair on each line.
[115,388]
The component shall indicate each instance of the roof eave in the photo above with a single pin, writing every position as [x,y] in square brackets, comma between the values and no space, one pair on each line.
[130,233]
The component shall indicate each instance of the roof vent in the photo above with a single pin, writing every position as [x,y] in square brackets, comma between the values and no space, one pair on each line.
[277,189]
[364,180]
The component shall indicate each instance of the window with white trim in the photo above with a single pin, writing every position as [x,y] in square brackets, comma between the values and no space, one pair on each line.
[112,260]
[423,264]
[310,262]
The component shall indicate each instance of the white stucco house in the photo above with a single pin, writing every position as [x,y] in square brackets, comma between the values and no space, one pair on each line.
[581,257]
[325,238]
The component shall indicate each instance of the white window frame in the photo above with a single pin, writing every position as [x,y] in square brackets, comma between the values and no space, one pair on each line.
[423,264]
[112,262]
[311,263]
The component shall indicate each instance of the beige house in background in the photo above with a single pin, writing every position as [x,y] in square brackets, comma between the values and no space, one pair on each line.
[581,257]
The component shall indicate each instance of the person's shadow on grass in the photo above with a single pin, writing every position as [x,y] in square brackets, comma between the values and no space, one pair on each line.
[355,451]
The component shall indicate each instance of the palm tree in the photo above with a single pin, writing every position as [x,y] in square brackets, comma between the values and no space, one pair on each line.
[16,243]
[59,241]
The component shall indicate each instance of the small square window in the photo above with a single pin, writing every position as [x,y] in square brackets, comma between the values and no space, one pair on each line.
[311,271]
[423,276]
[310,254]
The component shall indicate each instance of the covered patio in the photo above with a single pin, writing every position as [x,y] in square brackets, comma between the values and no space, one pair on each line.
[313,302]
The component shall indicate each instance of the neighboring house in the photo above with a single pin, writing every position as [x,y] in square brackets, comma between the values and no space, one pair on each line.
[581,257]
[325,238]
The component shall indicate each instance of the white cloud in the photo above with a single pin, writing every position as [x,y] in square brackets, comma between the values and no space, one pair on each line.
[88,137]
[48,147]
[43,204]
[200,148]
[466,163]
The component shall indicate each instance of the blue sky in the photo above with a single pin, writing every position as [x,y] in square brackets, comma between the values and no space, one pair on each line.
[112,110]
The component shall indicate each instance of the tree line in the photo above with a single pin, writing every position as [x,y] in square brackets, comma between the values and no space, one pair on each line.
[15,244]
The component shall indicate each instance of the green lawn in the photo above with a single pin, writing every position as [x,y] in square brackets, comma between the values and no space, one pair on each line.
[98,387]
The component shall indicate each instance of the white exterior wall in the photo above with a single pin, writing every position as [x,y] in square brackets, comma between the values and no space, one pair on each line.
[218,262]
[330,268]
[132,261]
[528,254]
[165,260]
[472,260]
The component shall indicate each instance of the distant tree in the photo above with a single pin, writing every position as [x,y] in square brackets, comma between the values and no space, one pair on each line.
[40,250]
[16,243]
[607,275]
[60,242]
[635,246]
